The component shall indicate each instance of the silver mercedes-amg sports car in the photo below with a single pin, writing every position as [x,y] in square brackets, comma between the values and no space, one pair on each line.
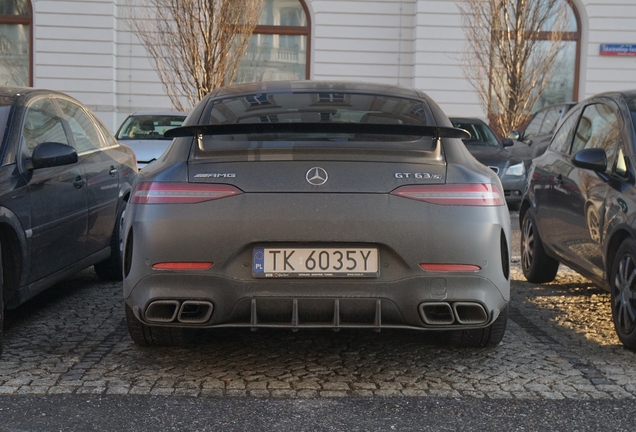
[317,205]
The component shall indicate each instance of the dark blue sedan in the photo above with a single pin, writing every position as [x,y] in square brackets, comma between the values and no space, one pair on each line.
[64,185]
[580,206]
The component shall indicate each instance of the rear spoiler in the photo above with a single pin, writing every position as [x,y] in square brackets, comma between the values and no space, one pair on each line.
[436,132]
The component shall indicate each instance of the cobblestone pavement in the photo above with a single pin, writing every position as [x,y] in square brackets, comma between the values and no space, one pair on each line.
[560,344]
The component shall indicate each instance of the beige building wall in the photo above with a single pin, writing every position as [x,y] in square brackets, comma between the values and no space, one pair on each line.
[83,47]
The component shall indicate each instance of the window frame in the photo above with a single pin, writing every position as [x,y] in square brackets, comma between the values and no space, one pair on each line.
[291,31]
[23,20]
[569,36]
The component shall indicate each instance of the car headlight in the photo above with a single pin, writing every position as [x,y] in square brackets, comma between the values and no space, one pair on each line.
[516,170]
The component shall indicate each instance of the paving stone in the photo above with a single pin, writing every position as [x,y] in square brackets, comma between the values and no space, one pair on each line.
[162,391]
[61,390]
[560,344]
[259,393]
[332,394]
[335,386]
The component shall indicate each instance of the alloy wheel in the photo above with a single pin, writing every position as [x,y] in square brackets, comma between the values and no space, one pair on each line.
[527,244]
[624,294]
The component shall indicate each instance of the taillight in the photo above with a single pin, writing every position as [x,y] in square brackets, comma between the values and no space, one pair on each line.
[454,194]
[180,193]
[450,267]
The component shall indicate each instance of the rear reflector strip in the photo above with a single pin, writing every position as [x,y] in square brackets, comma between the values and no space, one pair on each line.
[450,267]
[182,266]
[454,194]
[180,193]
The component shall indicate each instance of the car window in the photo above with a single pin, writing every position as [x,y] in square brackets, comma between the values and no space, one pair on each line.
[550,120]
[148,127]
[480,134]
[534,126]
[563,136]
[82,126]
[109,139]
[41,124]
[598,128]
[621,167]
[5,109]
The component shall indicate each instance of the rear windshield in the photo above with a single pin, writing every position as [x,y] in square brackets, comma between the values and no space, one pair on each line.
[317,107]
[148,127]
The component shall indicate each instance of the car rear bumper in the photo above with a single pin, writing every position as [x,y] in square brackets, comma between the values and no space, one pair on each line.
[422,302]
[406,233]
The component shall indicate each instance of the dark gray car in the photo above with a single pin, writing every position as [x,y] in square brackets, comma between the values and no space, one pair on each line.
[580,206]
[64,183]
[533,140]
[489,150]
[317,205]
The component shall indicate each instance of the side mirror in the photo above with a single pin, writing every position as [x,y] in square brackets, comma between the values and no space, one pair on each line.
[594,159]
[514,135]
[52,154]
[507,142]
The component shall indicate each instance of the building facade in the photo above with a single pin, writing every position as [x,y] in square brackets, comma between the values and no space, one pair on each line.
[84,48]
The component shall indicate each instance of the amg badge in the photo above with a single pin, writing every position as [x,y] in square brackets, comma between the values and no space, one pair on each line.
[215,175]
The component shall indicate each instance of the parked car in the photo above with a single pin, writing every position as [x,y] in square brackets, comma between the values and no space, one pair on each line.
[580,206]
[317,205]
[490,151]
[532,140]
[143,132]
[64,184]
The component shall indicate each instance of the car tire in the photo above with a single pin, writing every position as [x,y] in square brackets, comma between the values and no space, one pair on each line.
[623,293]
[536,265]
[145,335]
[485,337]
[111,269]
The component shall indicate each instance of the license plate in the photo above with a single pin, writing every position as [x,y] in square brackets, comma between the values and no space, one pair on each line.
[315,262]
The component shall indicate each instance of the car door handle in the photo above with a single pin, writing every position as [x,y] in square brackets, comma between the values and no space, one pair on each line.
[79,182]
[112,171]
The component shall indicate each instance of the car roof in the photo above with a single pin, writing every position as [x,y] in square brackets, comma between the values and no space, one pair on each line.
[614,94]
[159,113]
[467,120]
[316,86]
[13,91]
[563,104]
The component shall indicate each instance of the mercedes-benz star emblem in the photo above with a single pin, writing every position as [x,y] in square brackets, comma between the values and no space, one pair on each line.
[317,176]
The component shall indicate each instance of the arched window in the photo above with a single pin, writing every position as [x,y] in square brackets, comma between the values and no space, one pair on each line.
[15,43]
[279,47]
[563,86]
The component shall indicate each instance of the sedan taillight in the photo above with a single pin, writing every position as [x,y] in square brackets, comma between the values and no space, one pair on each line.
[454,194]
[180,193]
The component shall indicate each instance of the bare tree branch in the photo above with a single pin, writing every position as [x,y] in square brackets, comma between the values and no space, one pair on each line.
[513,47]
[195,46]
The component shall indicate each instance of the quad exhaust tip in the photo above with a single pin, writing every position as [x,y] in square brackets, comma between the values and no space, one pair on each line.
[443,313]
[469,313]
[186,311]
[195,311]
